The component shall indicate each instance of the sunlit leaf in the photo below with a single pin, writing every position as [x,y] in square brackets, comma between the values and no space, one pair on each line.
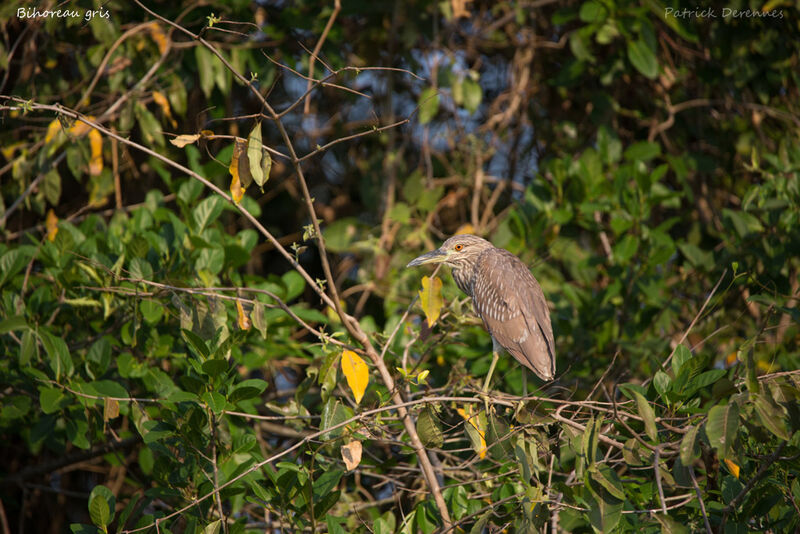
[351,454]
[158,36]
[734,469]
[184,139]
[51,224]
[53,129]
[242,318]
[237,188]
[431,298]
[96,146]
[101,506]
[356,372]
[110,409]
[475,426]
[257,319]
[254,154]
[163,103]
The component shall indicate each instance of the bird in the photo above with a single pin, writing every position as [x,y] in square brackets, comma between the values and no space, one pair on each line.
[506,296]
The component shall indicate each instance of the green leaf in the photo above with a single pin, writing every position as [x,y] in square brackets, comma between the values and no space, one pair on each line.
[648,416]
[721,427]
[643,58]
[498,436]
[149,126]
[626,248]
[58,353]
[334,413]
[50,399]
[473,94]
[642,151]
[662,382]
[605,511]
[690,448]
[11,324]
[326,482]
[152,311]
[126,513]
[670,525]
[205,68]
[196,343]
[214,527]
[590,440]
[295,284]
[428,105]
[207,211]
[703,380]
[101,506]
[428,428]
[771,416]
[334,524]
[109,388]
[215,401]
[215,367]
[606,477]
[696,256]
[247,389]
[592,11]
[680,357]
[28,349]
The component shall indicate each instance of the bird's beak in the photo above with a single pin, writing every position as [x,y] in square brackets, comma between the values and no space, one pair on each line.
[435,256]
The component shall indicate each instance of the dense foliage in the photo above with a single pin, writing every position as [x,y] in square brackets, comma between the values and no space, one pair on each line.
[183,355]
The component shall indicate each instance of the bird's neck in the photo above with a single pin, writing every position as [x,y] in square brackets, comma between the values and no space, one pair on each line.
[463,276]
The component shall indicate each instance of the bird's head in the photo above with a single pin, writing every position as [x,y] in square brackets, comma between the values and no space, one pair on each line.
[457,251]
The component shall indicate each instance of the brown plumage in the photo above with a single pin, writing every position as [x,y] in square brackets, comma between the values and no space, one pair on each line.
[506,297]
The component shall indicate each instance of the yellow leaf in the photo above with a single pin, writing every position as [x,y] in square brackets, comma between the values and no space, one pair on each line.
[96,145]
[356,372]
[158,36]
[732,467]
[110,409]
[51,223]
[80,128]
[460,8]
[254,147]
[237,191]
[474,429]
[161,100]
[351,454]
[431,297]
[185,139]
[244,320]
[465,229]
[52,130]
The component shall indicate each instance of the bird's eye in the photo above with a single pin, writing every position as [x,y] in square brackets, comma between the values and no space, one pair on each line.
[458,248]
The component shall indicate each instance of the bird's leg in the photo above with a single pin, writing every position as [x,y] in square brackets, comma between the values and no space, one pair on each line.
[495,356]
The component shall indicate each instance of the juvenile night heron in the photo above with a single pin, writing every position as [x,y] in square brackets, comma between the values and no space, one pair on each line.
[506,296]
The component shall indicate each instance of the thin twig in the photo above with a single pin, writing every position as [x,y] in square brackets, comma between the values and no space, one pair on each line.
[337,6]
[700,500]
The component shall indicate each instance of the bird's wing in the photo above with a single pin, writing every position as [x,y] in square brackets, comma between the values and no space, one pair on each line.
[512,305]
